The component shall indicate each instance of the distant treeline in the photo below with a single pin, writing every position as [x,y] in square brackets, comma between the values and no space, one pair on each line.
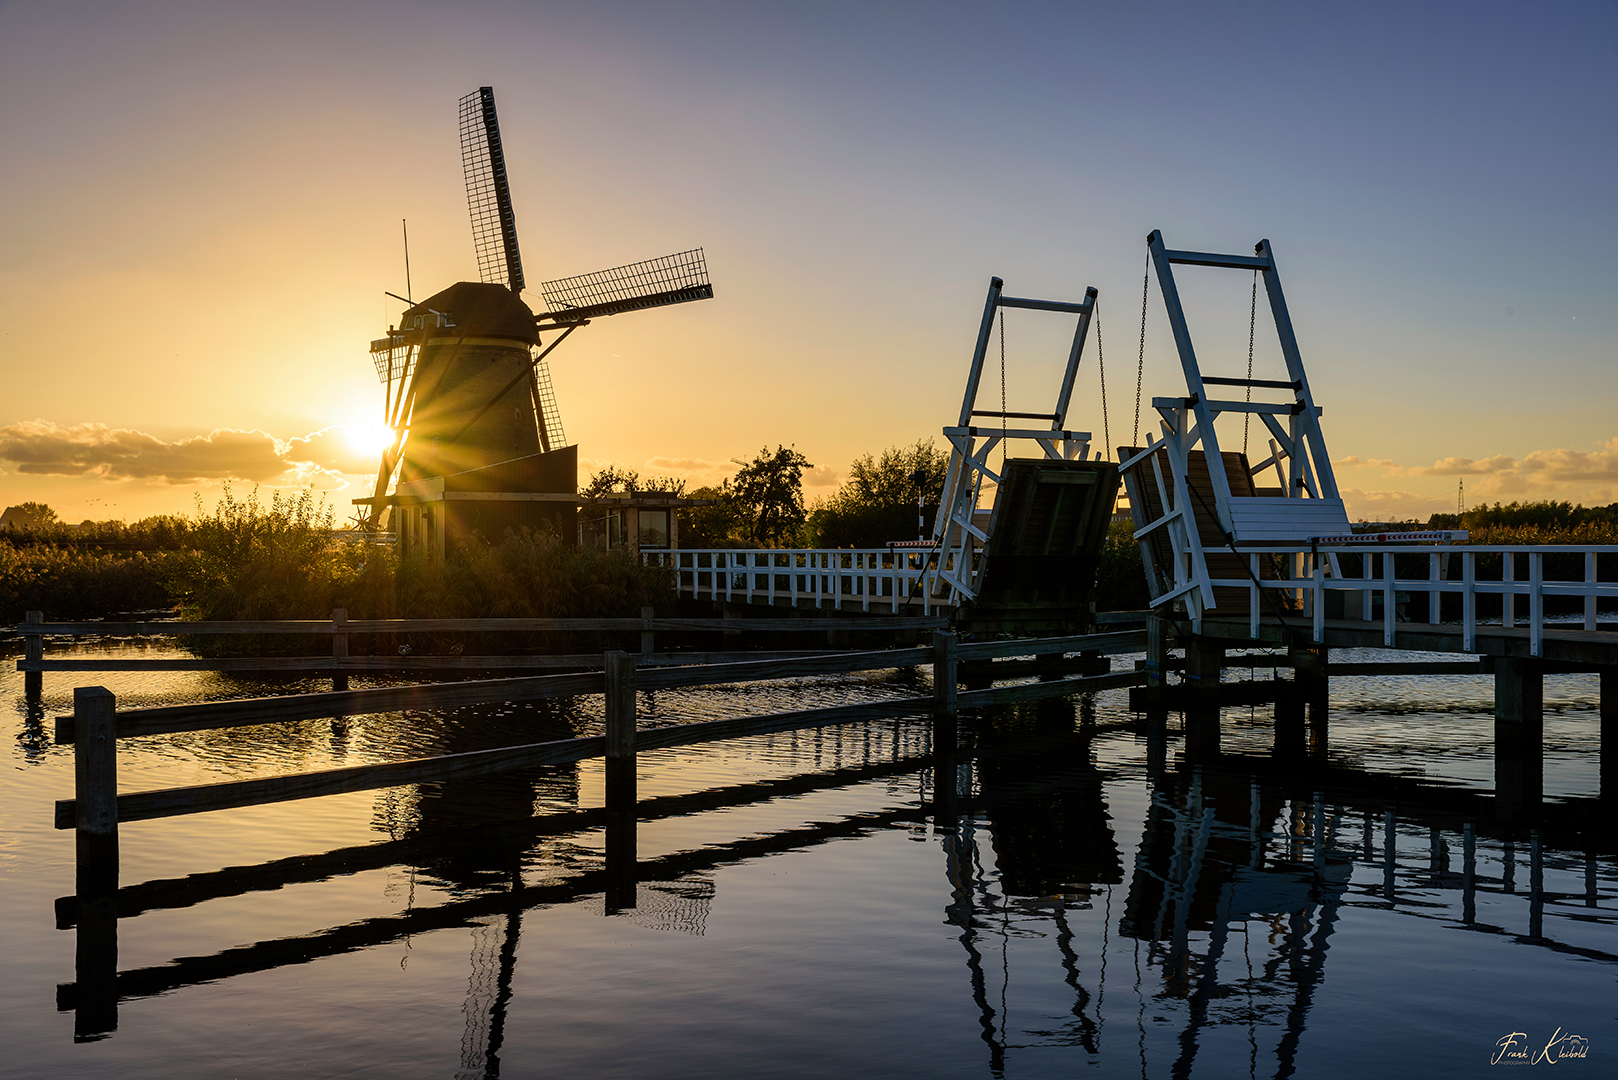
[1534,523]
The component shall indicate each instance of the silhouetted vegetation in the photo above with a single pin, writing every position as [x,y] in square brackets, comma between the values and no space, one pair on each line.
[1534,523]
[243,559]
[878,503]
[1120,576]
[768,492]
[70,583]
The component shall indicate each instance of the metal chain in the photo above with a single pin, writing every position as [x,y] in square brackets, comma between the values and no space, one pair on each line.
[1252,318]
[1101,362]
[1140,363]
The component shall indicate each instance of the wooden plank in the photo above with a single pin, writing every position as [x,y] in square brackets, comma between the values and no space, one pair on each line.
[1413,667]
[1114,618]
[1119,641]
[836,663]
[242,713]
[406,626]
[1010,695]
[413,662]
[201,798]
[741,726]
[144,806]
[222,714]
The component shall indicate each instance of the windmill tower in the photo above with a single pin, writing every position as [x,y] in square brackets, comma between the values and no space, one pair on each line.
[478,444]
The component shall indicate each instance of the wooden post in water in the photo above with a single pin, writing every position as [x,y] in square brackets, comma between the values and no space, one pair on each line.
[1203,663]
[646,636]
[1314,691]
[1609,737]
[33,648]
[620,715]
[95,782]
[339,646]
[946,724]
[1519,737]
[1157,716]
[620,780]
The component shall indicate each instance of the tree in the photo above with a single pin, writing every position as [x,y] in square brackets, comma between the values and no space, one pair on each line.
[613,480]
[769,490]
[878,502]
[718,524]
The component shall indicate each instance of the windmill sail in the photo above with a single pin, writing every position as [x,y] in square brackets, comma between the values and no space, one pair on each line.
[671,279]
[488,194]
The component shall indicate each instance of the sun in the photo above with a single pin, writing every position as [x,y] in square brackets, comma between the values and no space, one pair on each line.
[365,436]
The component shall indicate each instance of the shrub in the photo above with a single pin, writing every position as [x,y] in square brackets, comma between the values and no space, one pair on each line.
[67,583]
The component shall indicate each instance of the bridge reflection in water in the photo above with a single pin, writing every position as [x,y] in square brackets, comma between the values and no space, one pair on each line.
[1218,919]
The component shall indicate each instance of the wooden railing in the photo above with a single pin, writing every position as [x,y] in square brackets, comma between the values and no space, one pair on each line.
[339,629]
[1317,577]
[879,578]
[96,724]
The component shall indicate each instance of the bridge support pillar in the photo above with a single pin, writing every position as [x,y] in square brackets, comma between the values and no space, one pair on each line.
[946,728]
[621,855]
[95,837]
[1519,736]
[1314,692]
[1203,662]
[1157,717]
[33,646]
[1609,735]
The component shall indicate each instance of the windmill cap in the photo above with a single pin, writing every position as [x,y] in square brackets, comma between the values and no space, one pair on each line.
[481,310]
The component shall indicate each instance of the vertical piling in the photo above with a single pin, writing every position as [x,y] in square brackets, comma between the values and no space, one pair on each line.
[1314,691]
[33,646]
[1157,716]
[646,636]
[946,723]
[1609,735]
[1203,663]
[339,647]
[1519,737]
[620,780]
[95,825]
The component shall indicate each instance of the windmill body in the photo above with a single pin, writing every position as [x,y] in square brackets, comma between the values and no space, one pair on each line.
[475,425]
[478,446]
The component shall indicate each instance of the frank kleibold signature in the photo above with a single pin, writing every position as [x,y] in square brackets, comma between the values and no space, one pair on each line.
[1516,1049]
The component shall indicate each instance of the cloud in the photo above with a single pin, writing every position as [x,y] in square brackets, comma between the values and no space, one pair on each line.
[1354,461]
[1460,466]
[332,449]
[43,448]
[696,472]
[1587,476]
[1392,505]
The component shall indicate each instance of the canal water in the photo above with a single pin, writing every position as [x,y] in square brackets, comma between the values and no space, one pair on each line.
[828,904]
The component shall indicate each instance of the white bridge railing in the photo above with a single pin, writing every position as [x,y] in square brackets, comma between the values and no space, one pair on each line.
[875,578]
[1521,583]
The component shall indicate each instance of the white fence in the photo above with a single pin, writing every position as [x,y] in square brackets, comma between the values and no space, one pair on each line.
[875,578]
[1449,570]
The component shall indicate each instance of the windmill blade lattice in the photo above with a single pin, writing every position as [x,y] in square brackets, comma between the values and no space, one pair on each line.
[671,279]
[488,194]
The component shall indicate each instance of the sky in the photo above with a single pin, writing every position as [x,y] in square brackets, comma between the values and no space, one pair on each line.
[203,202]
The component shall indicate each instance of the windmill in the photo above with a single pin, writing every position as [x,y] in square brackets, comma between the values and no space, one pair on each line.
[478,443]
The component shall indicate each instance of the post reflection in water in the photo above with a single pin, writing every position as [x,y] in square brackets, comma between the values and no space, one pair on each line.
[1223,852]
[1037,886]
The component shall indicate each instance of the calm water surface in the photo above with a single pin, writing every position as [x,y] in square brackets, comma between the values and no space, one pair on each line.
[817,904]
